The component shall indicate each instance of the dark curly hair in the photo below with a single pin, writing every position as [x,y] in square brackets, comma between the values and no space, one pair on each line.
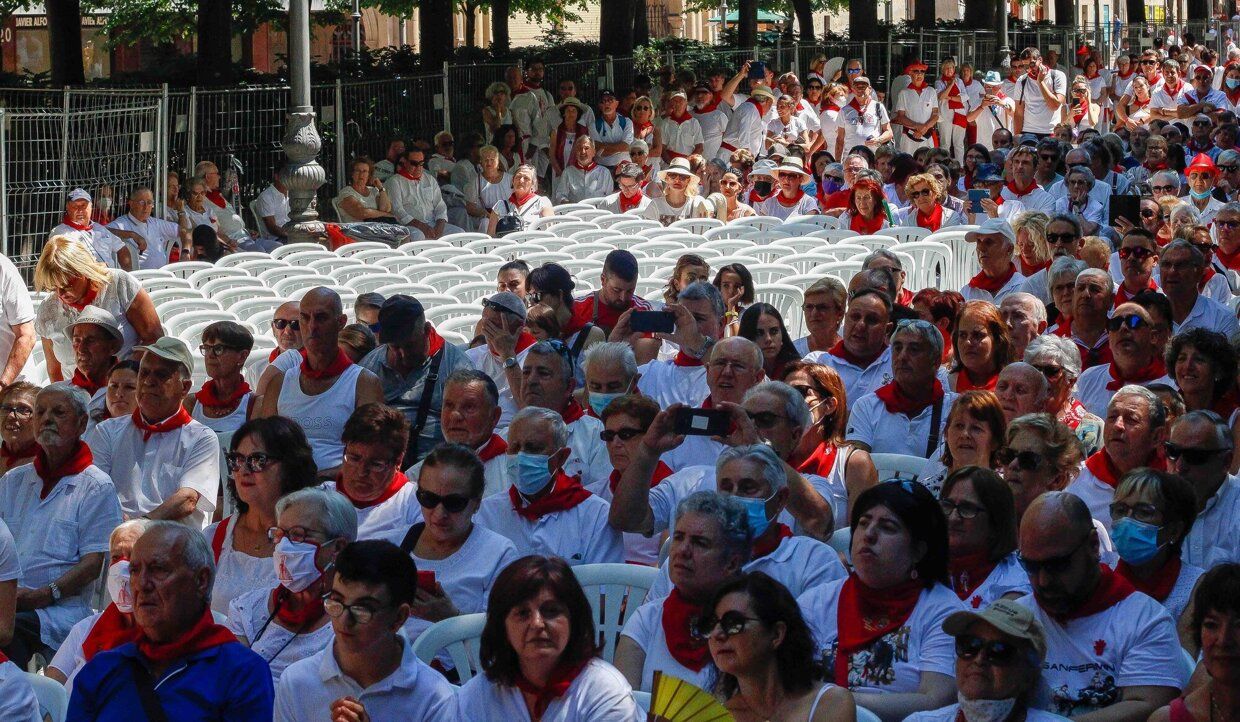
[1215,347]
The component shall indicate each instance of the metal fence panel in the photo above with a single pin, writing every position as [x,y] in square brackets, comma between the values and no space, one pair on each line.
[467,86]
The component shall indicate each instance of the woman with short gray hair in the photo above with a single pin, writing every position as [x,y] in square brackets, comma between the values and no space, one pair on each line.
[1059,360]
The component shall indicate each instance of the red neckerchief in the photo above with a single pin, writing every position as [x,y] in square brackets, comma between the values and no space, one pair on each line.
[821,461]
[585,168]
[641,128]
[75,464]
[205,634]
[566,493]
[1030,269]
[681,119]
[1230,261]
[557,685]
[296,619]
[905,298]
[82,381]
[756,106]
[965,383]
[274,353]
[1139,103]
[407,175]
[495,446]
[1205,278]
[830,106]
[1158,586]
[898,403]
[982,282]
[335,368]
[395,485]
[685,360]
[518,202]
[1233,95]
[678,619]
[1018,191]
[932,221]
[110,631]
[770,540]
[572,411]
[710,107]
[1225,406]
[661,472]
[795,199]
[1172,92]
[969,571]
[918,87]
[208,396]
[1101,466]
[1112,589]
[865,614]
[1122,295]
[628,205]
[562,151]
[10,457]
[953,92]
[1152,370]
[866,227]
[839,350]
[90,226]
[755,199]
[1078,114]
[217,198]
[1160,165]
[1131,70]
[176,421]
[86,300]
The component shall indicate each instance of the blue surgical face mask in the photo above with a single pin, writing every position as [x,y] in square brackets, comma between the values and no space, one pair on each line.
[530,473]
[1233,83]
[755,510]
[599,401]
[1202,195]
[1136,541]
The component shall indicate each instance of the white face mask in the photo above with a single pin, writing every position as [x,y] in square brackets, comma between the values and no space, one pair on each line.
[295,567]
[118,586]
[986,710]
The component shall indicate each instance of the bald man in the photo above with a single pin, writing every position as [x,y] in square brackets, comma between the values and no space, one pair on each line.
[1022,389]
[1112,652]
[286,329]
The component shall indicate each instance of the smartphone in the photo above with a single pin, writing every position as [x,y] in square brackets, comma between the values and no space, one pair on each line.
[1126,207]
[426,581]
[701,422]
[975,199]
[757,70]
[653,321]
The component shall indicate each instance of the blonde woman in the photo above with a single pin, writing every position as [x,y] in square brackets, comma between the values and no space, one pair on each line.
[680,197]
[490,186]
[523,203]
[1083,111]
[644,127]
[926,211]
[76,279]
[497,112]
[1033,253]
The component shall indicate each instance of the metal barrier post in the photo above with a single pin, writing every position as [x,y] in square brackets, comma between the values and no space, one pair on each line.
[447,106]
[191,145]
[4,185]
[340,133]
[64,140]
[610,71]
[163,141]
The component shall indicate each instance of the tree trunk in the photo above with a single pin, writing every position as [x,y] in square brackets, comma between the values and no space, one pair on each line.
[1065,12]
[616,23]
[64,29]
[923,13]
[1198,10]
[500,10]
[1136,11]
[435,32]
[804,12]
[214,42]
[641,24]
[863,20]
[471,24]
[747,23]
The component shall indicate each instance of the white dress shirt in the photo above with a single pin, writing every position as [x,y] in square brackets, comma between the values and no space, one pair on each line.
[418,200]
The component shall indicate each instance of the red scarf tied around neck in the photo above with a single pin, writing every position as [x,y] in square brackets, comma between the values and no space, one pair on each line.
[866,226]
[933,221]
[965,383]
[217,198]
[110,631]
[494,447]
[335,368]
[89,226]
[86,383]
[679,617]
[11,457]
[395,485]
[627,204]
[1112,589]
[204,635]
[982,282]
[1154,369]
[821,462]
[209,395]
[176,421]
[897,402]
[75,464]
[1159,585]
[1104,469]
[771,540]
[566,493]
[86,299]
[557,685]
[661,472]
[969,571]
[839,350]
[866,614]
[300,618]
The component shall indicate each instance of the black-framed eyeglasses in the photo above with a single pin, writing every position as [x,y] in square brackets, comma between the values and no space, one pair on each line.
[1138,252]
[966,509]
[253,463]
[216,349]
[765,419]
[1054,565]
[625,434]
[1141,511]
[1192,457]
[995,652]
[452,503]
[1024,460]
[335,608]
[1131,322]
[731,623]
[280,324]
[296,534]
[21,412]
[1205,247]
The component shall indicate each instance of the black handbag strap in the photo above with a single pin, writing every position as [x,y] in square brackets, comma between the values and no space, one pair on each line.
[146,693]
[411,537]
[424,405]
[580,343]
[932,441]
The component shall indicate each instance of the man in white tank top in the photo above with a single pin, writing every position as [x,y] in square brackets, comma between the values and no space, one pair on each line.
[323,390]
[286,329]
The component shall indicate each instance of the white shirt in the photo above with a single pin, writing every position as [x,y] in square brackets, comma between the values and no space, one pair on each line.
[588,458]
[1008,576]
[235,571]
[467,574]
[680,137]
[712,124]
[829,126]
[1162,97]
[746,128]
[664,212]
[857,381]
[919,645]
[598,694]
[1013,285]
[801,204]
[799,563]
[1092,391]
[99,239]
[1210,315]
[580,535]
[389,520]
[619,130]
[862,125]
[418,200]
[146,473]
[1092,211]
[1039,118]
[271,203]
[413,693]
[1097,495]
[15,304]
[529,211]
[279,647]
[1036,199]
[892,433]
[996,116]
[917,105]
[323,415]
[950,712]
[17,696]
[10,564]
[1215,536]
[157,233]
[789,132]
[645,628]
[53,534]
[1130,644]
[575,185]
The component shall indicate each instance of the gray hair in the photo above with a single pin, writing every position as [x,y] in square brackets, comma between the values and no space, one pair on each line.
[140,525]
[559,430]
[882,253]
[1158,412]
[871,174]
[1078,170]
[1179,244]
[703,291]
[1100,274]
[333,509]
[611,353]
[545,348]
[1030,302]
[755,353]
[925,329]
[795,407]
[733,521]
[1089,155]
[1230,206]
[1055,348]
[196,553]
[1044,388]
[1063,266]
[1166,177]
[76,394]
[772,465]
[1222,432]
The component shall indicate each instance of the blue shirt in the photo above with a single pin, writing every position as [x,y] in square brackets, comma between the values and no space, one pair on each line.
[227,682]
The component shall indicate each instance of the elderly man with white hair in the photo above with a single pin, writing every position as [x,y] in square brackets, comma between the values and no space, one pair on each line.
[61,510]
[1025,316]
[699,311]
[611,372]
[1058,360]
[546,511]
[1021,389]
[996,242]
[547,381]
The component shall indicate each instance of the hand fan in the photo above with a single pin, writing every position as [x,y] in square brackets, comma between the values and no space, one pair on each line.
[674,700]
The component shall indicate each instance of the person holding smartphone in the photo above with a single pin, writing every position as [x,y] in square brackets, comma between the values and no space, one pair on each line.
[995,111]
[1040,97]
[1085,112]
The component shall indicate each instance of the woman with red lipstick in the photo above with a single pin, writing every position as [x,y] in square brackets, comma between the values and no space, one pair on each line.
[17,427]
[70,270]
[980,346]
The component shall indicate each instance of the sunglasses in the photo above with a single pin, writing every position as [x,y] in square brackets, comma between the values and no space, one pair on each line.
[627,434]
[1024,460]
[1132,322]
[731,623]
[1058,238]
[1226,224]
[1192,457]
[765,419]
[1147,213]
[452,503]
[254,463]
[920,193]
[1149,62]
[997,652]
[415,163]
[1202,124]
[1163,189]
[1138,252]
[281,323]
[789,176]
[1055,565]
[1050,372]
[1205,247]
[1228,168]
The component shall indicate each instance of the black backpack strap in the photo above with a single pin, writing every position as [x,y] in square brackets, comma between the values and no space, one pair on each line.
[411,537]
[932,440]
[151,705]
[580,343]
[424,405]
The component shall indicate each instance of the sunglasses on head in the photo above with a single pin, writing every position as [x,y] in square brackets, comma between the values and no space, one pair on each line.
[1024,460]
[1132,322]
[1138,252]
[628,434]
[1192,457]
[452,503]
[997,652]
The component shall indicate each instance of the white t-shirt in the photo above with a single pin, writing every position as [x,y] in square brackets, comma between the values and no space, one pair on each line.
[146,473]
[645,628]
[390,519]
[862,124]
[15,300]
[529,211]
[894,662]
[53,318]
[799,563]
[102,242]
[779,207]
[1092,391]
[580,535]
[894,433]
[467,575]
[274,204]
[668,383]
[950,713]
[1008,576]
[279,647]
[619,130]
[918,106]
[680,136]
[1039,118]
[598,694]
[1210,315]
[1014,284]
[1130,644]
[857,381]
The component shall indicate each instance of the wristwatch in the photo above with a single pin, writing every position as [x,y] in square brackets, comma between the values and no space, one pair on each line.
[510,363]
[55,592]
[707,342]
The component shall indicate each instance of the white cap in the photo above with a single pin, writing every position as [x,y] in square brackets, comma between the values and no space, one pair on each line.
[992,227]
[79,194]
[766,166]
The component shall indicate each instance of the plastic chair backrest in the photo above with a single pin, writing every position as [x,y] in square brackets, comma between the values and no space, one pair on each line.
[459,637]
[898,466]
[52,696]
[615,591]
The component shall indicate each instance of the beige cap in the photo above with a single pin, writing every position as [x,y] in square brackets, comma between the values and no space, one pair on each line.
[170,349]
[1005,615]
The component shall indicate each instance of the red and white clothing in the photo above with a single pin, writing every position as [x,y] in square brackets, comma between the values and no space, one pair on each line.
[997,579]
[619,130]
[1171,586]
[1096,484]
[953,115]
[661,210]
[416,200]
[249,618]
[681,134]
[528,209]
[101,241]
[160,235]
[1215,536]
[874,423]
[598,693]
[321,415]
[746,129]
[578,183]
[147,466]
[798,562]
[53,318]
[830,463]
[862,123]
[858,377]
[587,458]
[786,133]
[939,218]
[1097,354]
[616,203]
[389,516]
[1095,386]
[1168,98]
[993,288]
[660,626]
[830,127]
[951,713]
[999,115]
[488,363]
[1210,315]
[236,572]
[783,208]
[1119,638]
[918,105]
[1033,197]
[712,120]
[638,548]
[566,523]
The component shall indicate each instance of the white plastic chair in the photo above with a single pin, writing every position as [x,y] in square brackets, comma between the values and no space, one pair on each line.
[657,247]
[764,254]
[375,254]
[293,284]
[634,226]
[835,234]
[906,234]
[530,235]
[563,209]
[696,225]
[417,273]
[461,326]
[159,282]
[255,266]
[147,274]
[177,326]
[473,291]
[814,219]
[52,696]
[873,242]
[199,278]
[417,290]
[898,466]
[931,264]
[964,255]
[169,310]
[236,259]
[343,274]
[612,219]
[490,245]
[217,285]
[369,282]
[398,265]
[184,269]
[843,270]
[546,223]
[650,287]
[730,231]
[453,310]
[164,295]
[351,249]
[412,248]
[444,255]
[228,297]
[325,265]
[459,637]
[539,258]
[566,230]
[442,281]
[471,261]
[594,235]
[795,230]
[765,274]
[787,299]
[615,591]
[247,307]
[585,268]
[291,248]
[762,223]
[435,300]
[653,233]
[728,246]
[460,239]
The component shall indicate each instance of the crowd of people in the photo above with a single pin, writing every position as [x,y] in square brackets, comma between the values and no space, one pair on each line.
[1011,501]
